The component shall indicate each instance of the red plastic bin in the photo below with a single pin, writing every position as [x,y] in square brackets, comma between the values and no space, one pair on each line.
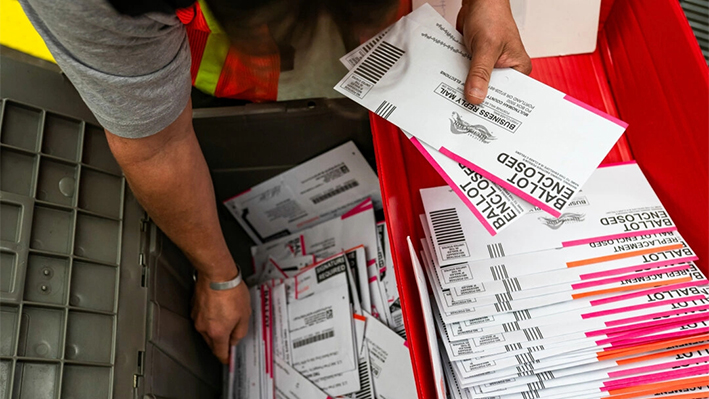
[649,71]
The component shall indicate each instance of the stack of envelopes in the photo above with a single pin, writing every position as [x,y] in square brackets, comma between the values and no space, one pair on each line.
[606,303]
[551,278]
[326,320]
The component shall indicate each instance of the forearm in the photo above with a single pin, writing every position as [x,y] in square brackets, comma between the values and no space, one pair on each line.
[169,176]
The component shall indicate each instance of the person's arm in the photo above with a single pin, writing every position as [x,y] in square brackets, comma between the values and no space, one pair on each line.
[169,176]
[493,40]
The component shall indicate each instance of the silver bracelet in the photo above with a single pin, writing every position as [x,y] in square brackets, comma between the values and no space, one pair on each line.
[224,285]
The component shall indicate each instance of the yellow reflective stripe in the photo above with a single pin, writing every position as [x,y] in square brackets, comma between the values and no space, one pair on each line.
[210,67]
[209,17]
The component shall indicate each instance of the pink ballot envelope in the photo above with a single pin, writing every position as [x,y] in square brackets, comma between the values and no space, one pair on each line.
[495,207]
[529,138]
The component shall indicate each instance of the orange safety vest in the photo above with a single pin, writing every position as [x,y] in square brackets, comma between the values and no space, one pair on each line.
[221,70]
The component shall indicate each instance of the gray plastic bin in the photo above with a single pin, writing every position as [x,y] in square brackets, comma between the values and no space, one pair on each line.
[94,299]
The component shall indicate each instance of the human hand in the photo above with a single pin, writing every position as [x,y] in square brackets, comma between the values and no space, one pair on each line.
[222,317]
[491,36]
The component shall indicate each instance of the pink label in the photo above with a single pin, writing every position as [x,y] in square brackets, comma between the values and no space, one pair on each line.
[511,188]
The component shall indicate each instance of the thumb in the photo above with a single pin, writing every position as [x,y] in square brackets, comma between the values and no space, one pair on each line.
[482,62]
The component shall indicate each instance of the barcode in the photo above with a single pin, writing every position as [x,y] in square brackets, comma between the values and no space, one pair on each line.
[533,333]
[379,62]
[506,297]
[536,386]
[546,375]
[511,326]
[502,307]
[315,338]
[365,386]
[513,347]
[522,315]
[524,358]
[512,285]
[385,109]
[530,395]
[499,272]
[496,250]
[339,190]
[446,226]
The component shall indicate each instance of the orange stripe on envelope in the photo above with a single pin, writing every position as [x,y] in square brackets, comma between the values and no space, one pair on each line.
[623,255]
[631,287]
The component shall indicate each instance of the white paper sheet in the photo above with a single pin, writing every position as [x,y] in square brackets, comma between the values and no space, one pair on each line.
[290,384]
[320,189]
[392,374]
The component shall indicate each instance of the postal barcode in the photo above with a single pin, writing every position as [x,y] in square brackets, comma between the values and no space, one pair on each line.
[524,358]
[446,226]
[339,190]
[496,251]
[533,333]
[512,285]
[522,315]
[365,387]
[530,395]
[313,339]
[545,376]
[536,386]
[385,109]
[379,62]
[499,272]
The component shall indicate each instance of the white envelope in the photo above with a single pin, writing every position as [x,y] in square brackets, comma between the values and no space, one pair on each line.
[616,202]
[387,275]
[321,334]
[290,384]
[392,374]
[495,207]
[318,190]
[428,322]
[356,227]
[414,78]
[357,262]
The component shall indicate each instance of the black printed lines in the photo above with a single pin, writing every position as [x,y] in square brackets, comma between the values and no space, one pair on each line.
[379,62]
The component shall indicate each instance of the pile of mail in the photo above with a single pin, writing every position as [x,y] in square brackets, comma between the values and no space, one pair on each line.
[551,278]
[326,319]
[602,302]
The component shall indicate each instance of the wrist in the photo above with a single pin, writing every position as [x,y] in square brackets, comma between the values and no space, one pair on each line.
[221,273]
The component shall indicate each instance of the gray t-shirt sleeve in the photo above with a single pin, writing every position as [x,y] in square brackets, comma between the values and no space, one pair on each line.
[133,73]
